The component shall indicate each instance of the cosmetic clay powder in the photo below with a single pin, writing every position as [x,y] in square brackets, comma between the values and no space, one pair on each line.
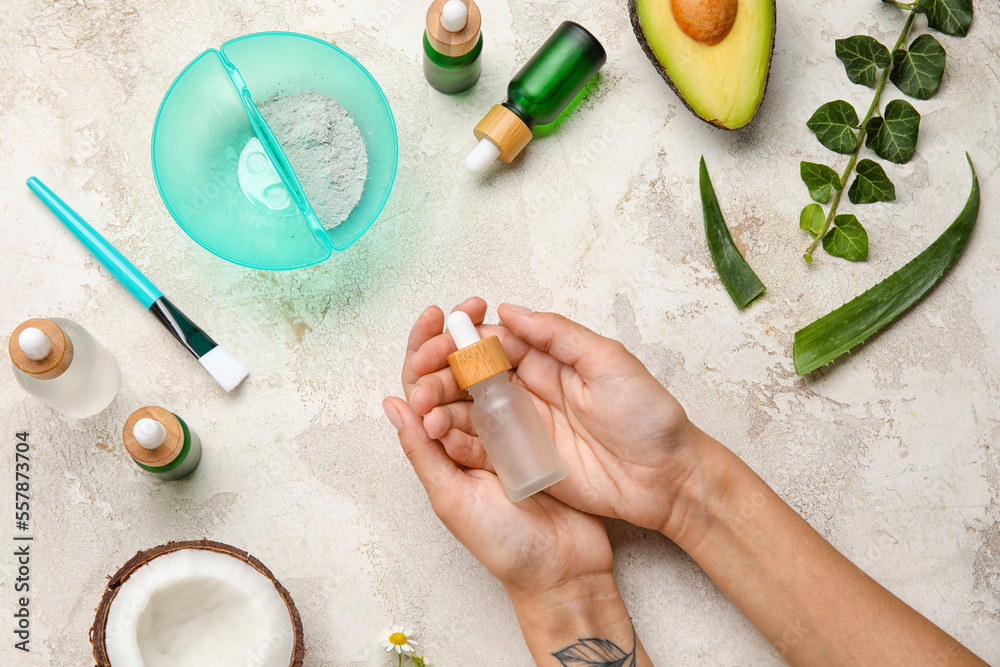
[325,149]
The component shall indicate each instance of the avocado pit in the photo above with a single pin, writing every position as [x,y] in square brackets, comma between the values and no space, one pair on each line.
[705,21]
[714,55]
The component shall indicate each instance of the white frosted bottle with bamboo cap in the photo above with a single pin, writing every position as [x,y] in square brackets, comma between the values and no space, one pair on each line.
[503,413]
[161,443]
[58,362]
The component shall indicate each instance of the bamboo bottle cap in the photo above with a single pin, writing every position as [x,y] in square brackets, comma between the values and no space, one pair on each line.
[504,128]
[449,43]
[165,453]
[475,363]
[54,363]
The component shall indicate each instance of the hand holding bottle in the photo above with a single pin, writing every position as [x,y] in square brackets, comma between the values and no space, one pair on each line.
[555,562]
[473,506]
[632,453]
[626,442]
[529,546]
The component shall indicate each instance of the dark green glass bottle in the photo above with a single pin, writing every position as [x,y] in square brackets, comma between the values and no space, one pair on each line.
[559,70]
[452,74]
[537,94]
[453,44]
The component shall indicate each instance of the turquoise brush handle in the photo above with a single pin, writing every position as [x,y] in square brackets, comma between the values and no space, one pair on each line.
[124,270]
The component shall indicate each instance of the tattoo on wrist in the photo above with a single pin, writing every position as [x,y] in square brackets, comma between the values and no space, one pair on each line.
[596,652]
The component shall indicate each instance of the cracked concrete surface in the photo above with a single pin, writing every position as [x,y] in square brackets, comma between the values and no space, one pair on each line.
[891,453]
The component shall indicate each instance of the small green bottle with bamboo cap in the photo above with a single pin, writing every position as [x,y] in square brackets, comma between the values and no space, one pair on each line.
[161,443]
[453,44]
[537,94]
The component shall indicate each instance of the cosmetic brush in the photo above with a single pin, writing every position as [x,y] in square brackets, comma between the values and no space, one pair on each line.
[220,364]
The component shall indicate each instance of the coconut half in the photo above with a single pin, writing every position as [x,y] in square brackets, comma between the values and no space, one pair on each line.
[198,603]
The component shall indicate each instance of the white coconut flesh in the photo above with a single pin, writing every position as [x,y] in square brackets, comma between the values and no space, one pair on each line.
[198,607]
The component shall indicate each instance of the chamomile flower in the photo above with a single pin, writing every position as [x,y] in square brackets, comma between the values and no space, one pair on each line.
[398,639]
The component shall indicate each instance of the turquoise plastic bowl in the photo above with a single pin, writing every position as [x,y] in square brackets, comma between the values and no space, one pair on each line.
[208,131]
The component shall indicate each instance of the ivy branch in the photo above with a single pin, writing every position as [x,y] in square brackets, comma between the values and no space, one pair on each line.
[861,141]
[891,134]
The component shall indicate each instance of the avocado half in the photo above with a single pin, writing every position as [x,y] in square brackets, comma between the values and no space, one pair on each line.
[722,83]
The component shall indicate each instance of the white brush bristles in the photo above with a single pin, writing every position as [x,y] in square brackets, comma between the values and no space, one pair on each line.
[227,371]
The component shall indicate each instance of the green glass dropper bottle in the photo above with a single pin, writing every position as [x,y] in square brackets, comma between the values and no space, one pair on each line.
[161,443]
[453,44]
[537,94]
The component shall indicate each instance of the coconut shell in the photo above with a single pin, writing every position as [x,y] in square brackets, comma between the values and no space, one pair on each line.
[143,557]
[640,35]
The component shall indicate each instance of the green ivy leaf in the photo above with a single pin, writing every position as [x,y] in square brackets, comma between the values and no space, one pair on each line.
[863,57]
[812,218]
[847,239]
[918,72]
[834,124]
[893,137]
[820,179]
[871,184]
[952,17]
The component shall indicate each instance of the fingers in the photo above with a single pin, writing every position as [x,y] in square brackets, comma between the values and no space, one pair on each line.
[452,425]
[433,353]
[443,418]
[434,389]
[571,343]
[429,382]
[429,324]
[542,375]
[474,307]
[538,370]
[466,450]
[428,379]
[436,470]
[436,385]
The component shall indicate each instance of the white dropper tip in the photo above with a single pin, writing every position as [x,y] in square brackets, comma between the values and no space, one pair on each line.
[454,16]
[34,343]
[149,433]
[482,156]
[462,330]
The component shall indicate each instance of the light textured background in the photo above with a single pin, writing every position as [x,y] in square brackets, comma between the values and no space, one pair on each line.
[890,453]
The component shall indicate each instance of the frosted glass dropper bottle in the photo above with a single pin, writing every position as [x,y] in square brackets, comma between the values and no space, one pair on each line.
[503,413]
[58,362]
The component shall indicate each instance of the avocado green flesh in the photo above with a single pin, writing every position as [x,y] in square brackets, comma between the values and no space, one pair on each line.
[723,84]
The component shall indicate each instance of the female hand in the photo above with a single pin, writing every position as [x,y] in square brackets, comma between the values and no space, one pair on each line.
[532,546]
[554,562]
[632,453]
[627,444]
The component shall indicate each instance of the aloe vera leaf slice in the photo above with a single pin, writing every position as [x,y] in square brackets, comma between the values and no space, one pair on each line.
[738,278]
[837,332]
